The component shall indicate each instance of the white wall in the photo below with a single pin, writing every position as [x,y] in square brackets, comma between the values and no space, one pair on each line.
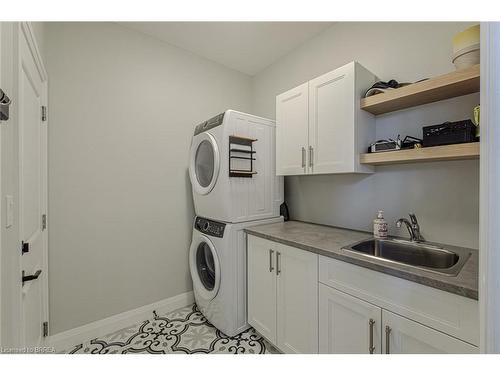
[122,109]
[445,196]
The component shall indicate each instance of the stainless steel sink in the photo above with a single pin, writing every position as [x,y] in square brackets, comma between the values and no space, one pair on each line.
[414,254]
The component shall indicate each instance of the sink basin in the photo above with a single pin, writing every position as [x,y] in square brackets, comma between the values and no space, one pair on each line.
[415,254]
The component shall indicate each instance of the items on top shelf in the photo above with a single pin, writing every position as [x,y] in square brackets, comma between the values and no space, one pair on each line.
[458,83]
[241,156]
[466,48]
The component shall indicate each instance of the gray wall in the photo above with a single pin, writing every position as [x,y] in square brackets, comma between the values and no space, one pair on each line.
[122,110]
[445,195]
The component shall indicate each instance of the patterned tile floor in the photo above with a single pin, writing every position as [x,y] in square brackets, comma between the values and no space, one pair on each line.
[182,331]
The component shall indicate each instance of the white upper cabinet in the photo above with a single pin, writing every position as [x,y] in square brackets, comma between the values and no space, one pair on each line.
[292,131]
[320,126]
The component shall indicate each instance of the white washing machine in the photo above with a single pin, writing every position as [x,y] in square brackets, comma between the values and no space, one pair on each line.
[217,261]
[254,192]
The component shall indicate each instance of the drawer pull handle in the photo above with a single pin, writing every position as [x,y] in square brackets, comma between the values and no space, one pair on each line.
[387,339]
[371,323]
[271,268]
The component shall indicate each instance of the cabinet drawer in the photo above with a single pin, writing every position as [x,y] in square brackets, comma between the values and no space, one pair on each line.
[449,313]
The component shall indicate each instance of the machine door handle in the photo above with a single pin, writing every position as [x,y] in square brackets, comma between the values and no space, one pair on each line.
[371,323]
[303,157]
[387,339]
[271,268]
[278,263]
[31,277]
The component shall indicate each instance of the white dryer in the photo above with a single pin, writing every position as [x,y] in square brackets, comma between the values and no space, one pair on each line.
[217,261]
[254,191]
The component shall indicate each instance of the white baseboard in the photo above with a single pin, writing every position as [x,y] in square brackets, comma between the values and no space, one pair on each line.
[67,339]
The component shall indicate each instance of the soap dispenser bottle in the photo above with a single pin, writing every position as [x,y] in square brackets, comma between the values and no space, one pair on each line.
[380,226]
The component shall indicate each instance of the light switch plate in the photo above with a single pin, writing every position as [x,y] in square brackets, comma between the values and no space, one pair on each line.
[9,211]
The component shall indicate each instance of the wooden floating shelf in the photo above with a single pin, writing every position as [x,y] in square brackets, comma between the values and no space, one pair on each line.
[426,154]
[458,83]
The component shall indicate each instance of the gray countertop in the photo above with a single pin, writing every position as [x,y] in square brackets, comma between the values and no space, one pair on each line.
[329,241]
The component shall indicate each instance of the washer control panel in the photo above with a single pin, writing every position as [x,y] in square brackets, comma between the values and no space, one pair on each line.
[210,227]
[209,124]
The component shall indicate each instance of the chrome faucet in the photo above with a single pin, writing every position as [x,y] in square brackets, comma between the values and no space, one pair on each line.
[413,227]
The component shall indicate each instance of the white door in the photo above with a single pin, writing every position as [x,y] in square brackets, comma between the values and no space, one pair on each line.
[204,163]
[404,336]
[261,267]
[348,325]
[31,97]
[205,267]
[331,121]
[297,313]
[292,131]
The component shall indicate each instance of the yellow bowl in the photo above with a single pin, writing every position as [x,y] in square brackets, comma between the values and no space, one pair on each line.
[466,39]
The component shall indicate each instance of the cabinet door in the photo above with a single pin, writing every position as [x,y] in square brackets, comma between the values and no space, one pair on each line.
[261,265]
[292,131]
[331,122]
[348,325]
[404,336]
[297,285]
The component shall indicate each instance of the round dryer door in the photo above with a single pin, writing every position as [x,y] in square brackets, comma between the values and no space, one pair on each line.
[205,268]
[204,164]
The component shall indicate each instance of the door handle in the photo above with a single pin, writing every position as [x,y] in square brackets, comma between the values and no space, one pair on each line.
[278,263]
[311,156]
[303,157]
[30,277]
[5,102]
[271,268]
[371,323]
[387,339]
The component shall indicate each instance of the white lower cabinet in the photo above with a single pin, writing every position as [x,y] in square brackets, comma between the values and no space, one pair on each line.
[283,295]
[262,286]
[404,336]
[348,325]
[305,303]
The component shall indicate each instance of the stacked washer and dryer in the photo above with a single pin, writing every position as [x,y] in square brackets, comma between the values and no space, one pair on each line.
[234,182]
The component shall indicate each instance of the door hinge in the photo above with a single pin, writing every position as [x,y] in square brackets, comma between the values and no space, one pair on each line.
[25,247]
[44,221]
[44,113]
[45,329]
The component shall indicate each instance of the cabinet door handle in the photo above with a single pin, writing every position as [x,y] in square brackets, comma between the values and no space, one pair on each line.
[278,263]
[371,323]
[271,268]
[311,156]
[387,339]
[303,157]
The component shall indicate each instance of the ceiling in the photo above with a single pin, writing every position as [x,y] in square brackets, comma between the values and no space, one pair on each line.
[248,47]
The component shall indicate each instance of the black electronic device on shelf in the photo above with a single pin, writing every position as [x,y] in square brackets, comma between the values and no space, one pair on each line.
[449,133]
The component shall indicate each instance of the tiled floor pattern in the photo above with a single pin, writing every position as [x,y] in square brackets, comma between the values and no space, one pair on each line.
[182,331]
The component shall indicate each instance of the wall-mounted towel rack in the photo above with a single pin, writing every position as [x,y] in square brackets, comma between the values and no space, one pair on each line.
[243,151]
